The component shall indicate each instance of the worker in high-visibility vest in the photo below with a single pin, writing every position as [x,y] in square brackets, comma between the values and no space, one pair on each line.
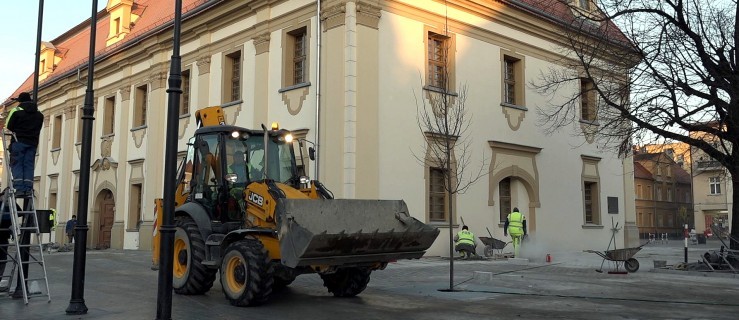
[52,219]
[515,225]
[465,243]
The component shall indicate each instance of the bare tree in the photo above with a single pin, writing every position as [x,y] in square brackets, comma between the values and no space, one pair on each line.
[444,121]
[659,70]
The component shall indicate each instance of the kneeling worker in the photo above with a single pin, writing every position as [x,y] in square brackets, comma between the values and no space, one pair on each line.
[465,243]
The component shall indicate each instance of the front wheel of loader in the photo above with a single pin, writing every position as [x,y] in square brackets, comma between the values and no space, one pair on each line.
[347,282]
[246,273]
[190,276]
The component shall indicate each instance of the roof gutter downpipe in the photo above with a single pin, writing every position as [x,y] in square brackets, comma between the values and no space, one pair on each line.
[318,87]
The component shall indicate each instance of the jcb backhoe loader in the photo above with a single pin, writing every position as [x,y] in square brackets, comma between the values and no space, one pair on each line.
[243,209]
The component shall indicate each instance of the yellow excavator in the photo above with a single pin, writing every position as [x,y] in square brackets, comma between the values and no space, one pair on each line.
[244,211]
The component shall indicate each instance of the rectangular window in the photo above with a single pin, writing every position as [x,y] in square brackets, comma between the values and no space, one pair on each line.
[715,185]
[232,77]
[437,195]
[669,194]
[658,191]
[185,99]
[141,104]
[79,125]
[295,53]
[134,207]
[504,188]
[649,195]
[117,26]
[109,116]
[56,140]
[299,56]
[590,192]
[438,52]
[639,194]
[52,200]
[687,197]
[587,100]
[512,81]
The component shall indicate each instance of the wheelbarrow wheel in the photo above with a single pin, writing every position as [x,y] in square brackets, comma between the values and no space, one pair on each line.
[488,251]
[631,265]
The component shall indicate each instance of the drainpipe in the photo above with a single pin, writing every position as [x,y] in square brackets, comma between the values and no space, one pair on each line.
[318,87]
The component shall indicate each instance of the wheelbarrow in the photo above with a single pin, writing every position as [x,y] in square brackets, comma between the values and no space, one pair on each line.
[620,257]
[493,246]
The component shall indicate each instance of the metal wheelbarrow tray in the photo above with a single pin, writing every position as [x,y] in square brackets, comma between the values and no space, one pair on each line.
[492,245]
[620,256]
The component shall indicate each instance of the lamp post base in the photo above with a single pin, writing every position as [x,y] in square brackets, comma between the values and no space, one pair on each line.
[77,307]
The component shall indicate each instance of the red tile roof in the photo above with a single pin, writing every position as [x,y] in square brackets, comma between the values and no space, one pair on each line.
[641,172]
[559,12]
[157,13]
[76,41]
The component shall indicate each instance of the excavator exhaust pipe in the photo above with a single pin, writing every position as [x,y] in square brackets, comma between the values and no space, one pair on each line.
[339,232]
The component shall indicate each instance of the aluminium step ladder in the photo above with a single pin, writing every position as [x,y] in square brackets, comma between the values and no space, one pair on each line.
[21,253]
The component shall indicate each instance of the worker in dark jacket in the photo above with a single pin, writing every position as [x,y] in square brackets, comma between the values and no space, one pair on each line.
[25,122]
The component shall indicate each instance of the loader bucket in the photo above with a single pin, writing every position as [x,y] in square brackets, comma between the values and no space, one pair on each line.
[349,232]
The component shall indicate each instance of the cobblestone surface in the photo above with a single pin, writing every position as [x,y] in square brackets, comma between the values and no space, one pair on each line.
[120,285]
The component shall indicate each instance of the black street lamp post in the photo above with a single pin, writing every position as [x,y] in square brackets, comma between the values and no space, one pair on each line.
[38,49]
[164,294]
[77,301]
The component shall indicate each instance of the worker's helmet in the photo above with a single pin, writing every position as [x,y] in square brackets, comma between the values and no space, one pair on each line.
[515,209]
[465,228]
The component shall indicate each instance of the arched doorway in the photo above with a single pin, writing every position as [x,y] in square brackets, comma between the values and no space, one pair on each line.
[106,216]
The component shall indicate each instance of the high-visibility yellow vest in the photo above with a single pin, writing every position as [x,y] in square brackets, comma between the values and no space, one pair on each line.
[467,237]
[52,218]
[515,221]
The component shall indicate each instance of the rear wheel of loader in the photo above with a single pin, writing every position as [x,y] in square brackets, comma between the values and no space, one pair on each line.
[189,275]
[246,273]
[347,282]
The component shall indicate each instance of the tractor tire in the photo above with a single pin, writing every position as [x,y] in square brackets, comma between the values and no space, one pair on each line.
[347,282]
[190,276]
[631,265]
[246,273]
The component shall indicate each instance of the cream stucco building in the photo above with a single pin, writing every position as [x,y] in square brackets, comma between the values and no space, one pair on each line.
[259,60]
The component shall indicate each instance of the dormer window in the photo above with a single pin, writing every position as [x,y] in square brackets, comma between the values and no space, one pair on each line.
[123,15]
[49,57]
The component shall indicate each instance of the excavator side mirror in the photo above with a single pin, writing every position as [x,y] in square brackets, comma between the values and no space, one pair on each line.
[312,153]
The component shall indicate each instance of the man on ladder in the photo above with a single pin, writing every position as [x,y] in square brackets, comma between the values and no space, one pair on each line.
[25,122]
[515,225]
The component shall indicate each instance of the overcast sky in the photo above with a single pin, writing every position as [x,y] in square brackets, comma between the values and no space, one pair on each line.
[18,38]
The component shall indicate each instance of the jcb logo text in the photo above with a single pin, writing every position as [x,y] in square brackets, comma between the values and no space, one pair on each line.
[256,199]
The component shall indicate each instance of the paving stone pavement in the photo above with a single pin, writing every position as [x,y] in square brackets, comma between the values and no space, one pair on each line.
[120,285]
